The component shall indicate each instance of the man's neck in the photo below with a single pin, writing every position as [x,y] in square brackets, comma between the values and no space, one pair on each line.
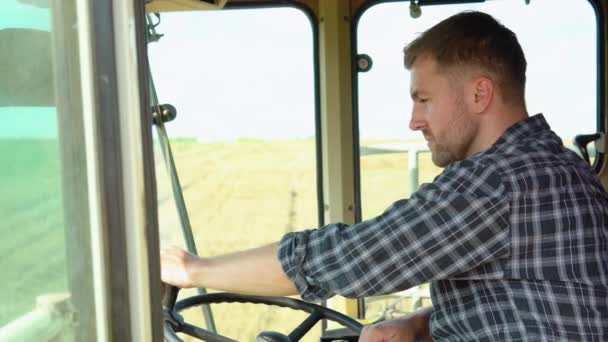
[493,125]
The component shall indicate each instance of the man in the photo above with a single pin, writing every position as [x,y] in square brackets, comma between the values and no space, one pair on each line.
[512,235]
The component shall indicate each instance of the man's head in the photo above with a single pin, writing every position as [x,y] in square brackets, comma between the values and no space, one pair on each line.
[462,68]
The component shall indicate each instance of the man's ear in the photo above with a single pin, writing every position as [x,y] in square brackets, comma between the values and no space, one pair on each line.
[481,94]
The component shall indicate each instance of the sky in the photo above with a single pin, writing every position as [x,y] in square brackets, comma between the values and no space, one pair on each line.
[558,40]
[249,73]
[236,74]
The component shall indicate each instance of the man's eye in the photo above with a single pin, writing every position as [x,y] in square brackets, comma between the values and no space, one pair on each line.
[423,100]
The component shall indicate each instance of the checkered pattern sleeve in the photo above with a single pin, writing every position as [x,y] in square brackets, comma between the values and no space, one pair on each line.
[455,224]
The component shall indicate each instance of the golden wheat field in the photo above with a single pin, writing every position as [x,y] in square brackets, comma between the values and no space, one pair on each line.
[247,193]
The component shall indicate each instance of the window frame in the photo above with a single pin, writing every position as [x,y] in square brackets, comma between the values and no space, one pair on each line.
[122,195]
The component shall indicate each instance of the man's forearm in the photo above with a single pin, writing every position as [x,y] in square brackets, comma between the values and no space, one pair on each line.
[255,271]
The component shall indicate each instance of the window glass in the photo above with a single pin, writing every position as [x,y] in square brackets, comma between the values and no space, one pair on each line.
[46,281]
[31,234]
[559,39]
[243,139]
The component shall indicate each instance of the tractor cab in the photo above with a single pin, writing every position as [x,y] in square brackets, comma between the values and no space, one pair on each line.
[129,126]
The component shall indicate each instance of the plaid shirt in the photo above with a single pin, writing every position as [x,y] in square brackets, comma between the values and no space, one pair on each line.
[512,239]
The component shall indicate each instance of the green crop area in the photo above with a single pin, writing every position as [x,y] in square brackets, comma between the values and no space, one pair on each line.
[239,195]
[32,253]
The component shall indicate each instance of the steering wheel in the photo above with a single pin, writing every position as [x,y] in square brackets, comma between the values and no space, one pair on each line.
[174,322]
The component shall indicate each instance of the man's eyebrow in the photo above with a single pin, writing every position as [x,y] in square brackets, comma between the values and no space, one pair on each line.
[416,93]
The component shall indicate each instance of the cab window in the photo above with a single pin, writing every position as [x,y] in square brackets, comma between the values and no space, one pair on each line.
[559,39]
[47,291]
[244,139]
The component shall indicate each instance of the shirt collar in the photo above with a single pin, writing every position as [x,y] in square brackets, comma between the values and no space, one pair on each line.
[523,129]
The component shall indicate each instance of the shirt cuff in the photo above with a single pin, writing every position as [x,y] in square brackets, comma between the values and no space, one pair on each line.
[292,256]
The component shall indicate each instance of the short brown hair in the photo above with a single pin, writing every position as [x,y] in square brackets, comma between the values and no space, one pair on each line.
[475,39]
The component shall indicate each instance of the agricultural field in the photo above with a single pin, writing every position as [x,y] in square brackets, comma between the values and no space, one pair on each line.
[247,193]
[239,195]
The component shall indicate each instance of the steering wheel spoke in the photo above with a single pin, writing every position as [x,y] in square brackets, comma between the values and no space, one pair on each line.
[306,325]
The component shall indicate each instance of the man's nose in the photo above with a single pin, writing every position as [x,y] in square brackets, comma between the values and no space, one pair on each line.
[416,122]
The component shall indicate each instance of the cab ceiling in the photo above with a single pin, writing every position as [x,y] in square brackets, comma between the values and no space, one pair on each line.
[190,5]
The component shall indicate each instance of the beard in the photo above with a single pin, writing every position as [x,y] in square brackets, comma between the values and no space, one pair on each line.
[455,141]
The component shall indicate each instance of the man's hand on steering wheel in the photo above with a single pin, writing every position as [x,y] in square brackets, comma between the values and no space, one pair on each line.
[253,271]
[410,328]
[177,267]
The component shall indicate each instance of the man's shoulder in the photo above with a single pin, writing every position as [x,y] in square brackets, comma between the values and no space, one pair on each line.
[471,176]
[530,154]
[521,165]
